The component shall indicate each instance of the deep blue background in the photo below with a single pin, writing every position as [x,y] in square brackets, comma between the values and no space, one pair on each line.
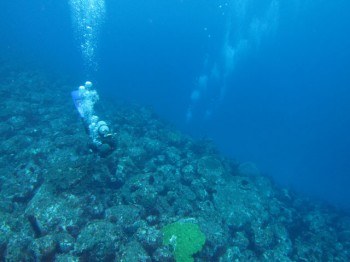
[287,102]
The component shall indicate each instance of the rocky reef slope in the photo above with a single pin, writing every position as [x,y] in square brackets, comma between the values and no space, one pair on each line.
[158,196]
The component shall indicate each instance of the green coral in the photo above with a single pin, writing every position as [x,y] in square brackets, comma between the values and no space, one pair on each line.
[186,239]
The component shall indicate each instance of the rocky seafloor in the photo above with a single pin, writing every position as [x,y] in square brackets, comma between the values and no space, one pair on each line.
[158,196]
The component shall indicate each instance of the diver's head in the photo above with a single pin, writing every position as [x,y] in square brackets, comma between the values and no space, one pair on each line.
[88,84]
[103,129]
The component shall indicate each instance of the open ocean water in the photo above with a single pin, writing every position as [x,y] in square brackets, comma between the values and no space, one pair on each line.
[210,130]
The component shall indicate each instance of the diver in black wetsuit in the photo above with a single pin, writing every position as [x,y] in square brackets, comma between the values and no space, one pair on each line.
[84,99]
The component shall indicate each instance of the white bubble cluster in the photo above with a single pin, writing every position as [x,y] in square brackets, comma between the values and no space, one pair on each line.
[87,17]
[88,99]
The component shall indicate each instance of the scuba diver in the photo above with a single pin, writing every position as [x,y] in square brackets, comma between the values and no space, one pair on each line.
[84,100]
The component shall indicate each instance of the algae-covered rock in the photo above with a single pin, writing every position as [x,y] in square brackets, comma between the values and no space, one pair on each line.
[98,241]
[133,252]
[44,248]
[49,213]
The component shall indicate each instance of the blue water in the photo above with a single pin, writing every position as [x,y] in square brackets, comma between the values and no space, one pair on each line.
[267,81]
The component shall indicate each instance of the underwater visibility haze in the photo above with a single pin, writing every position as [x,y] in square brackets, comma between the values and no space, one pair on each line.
[129,128]
[266,81]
